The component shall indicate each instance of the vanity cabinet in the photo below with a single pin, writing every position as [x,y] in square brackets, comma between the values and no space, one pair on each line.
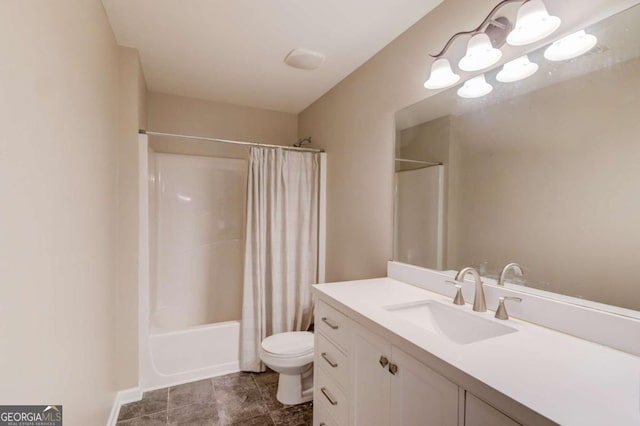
[331,383]
[419,395]
[361,379]
[370,378]
[392,388]
[478,413]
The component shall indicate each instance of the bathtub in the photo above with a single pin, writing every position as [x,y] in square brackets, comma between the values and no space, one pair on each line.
[190,268]
[192,354]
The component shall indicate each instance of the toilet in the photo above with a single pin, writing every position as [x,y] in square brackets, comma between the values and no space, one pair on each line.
[291,355]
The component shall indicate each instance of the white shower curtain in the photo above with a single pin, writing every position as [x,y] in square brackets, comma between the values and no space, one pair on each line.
[281,247]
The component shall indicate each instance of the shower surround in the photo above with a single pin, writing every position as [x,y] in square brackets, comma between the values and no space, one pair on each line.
[200,204]
[196,218]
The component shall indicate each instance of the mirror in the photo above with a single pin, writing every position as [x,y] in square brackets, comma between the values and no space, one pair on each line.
[544,172]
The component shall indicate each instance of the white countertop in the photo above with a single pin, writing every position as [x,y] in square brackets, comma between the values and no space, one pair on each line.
[565,379]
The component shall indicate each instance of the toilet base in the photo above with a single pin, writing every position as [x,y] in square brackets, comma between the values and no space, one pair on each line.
[295,389]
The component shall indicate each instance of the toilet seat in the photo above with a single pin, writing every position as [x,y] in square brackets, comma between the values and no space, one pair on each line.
[293,344]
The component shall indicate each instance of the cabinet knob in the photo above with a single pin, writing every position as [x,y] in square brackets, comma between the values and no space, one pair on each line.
[383,361]
[393,369]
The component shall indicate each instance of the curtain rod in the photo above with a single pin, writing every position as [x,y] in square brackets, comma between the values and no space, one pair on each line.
[293,148]
[404,160]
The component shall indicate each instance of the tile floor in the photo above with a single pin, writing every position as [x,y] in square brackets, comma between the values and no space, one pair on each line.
[237,399]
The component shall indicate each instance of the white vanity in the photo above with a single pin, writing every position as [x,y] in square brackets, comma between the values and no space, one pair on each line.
[383,359]
[542,172]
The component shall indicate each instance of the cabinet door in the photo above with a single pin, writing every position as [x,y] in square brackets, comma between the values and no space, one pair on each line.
[370,378]
[420,396]
[478,413]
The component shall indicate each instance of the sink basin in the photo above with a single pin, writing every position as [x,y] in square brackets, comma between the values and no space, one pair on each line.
[449,321]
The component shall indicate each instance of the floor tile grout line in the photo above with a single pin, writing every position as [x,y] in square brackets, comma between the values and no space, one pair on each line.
[271,417]
[262,386]
[143,415]
[141,402]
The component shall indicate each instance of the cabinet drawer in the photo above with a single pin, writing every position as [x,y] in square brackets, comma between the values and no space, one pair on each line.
[478,413]
[321,416]
[332,360]
[331,398]
[334,325]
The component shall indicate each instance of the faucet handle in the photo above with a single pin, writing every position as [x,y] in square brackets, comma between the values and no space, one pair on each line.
[501,312]
[458,299]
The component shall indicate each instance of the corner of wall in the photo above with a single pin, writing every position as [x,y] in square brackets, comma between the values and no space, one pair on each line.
[131,116]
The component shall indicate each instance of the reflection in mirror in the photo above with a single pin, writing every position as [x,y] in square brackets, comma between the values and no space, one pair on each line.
[544,172]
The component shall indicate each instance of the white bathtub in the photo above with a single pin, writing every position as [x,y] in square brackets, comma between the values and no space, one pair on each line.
[192,354]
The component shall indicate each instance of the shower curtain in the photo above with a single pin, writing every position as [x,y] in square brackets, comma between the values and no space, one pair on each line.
[281,247]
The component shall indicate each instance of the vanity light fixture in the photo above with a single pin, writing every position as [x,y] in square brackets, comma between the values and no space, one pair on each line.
[533,23]
[475,87]
[441,75]
[571,46]
[480,54]
[518,69]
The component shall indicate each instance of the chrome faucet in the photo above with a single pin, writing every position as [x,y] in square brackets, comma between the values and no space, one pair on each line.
[517,270]
[479,303]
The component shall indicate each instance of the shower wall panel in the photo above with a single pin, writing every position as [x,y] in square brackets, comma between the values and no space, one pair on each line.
[200,240]
[419,218]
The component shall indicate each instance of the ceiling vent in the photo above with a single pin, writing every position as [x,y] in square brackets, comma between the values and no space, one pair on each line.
[304,59]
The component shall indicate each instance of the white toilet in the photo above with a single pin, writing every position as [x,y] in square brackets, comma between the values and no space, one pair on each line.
[291,355]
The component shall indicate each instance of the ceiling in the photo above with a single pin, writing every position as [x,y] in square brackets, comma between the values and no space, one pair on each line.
[233,50]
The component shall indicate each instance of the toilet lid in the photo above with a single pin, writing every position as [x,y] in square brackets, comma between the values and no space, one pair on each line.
[289,344]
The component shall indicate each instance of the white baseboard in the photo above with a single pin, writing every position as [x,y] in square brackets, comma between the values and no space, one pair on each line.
[123,397]
[159,381]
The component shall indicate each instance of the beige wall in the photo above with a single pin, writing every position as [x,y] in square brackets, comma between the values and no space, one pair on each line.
[189,116]
[132,115]
[58,185]
[354,122]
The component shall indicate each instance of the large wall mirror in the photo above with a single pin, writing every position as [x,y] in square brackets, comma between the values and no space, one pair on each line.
[544,172]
